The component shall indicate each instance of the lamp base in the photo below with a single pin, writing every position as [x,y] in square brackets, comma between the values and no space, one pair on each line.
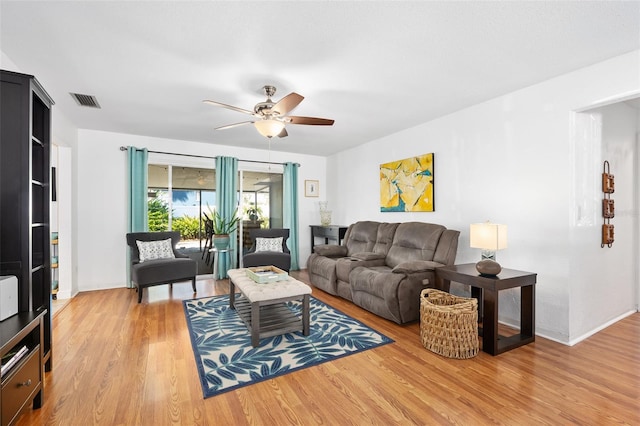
[488,267]
[488,254]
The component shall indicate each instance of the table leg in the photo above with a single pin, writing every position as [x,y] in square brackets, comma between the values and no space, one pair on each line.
[527,311]
[215,266]
[255,324]
[476,293]
[442,284]
[232,294]
[305,315]
[490,323]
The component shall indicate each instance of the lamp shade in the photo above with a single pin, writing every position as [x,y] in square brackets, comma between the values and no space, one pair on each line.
[488,236]
[269,128]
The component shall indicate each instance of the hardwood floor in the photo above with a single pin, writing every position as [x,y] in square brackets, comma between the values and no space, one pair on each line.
[117,362]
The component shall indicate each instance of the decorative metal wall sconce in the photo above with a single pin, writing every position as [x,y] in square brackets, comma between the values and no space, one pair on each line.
[608,208]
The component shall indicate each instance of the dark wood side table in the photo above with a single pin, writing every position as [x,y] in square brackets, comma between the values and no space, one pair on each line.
[22,383]
[486,289]
[331,232]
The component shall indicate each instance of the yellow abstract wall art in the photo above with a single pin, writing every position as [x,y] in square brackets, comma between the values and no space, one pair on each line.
[407,185]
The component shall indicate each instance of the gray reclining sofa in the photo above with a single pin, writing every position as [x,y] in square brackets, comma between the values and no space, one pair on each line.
[383,267]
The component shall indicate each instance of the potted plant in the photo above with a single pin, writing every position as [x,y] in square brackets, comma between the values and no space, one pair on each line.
[222,228]
[253,214]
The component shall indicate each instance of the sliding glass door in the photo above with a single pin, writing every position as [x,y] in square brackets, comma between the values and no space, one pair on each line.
[178,197]
[261,203]
[181,198]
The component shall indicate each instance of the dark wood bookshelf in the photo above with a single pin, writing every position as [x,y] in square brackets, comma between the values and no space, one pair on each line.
[25,249]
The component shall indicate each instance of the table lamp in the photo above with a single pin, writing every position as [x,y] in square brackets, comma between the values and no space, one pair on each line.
[489,237]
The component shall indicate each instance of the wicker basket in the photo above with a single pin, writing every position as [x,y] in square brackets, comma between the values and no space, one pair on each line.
[449,324]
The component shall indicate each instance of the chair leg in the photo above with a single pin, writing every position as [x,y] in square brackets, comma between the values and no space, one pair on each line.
[193,284]
[205,250]
[139,294]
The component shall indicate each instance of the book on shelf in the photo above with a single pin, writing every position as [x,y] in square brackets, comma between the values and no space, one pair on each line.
[12,358]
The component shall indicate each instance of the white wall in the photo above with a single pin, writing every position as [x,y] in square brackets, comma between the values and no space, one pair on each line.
[600,277]
[509,160]
[101,195]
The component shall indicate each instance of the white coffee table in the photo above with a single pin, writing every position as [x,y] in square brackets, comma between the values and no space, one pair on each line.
[261,306]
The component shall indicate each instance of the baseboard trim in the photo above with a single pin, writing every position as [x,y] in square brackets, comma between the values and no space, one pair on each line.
[602,327]
[579,339]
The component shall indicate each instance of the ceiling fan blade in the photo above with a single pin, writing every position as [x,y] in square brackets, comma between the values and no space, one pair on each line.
[283,133]
[287,103]
[229,126]
[313,121]
[231,107]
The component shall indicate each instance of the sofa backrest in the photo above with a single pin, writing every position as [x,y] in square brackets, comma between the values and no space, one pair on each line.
[447,247]
[414,241]
[402,242]
[361,237]
[384,239]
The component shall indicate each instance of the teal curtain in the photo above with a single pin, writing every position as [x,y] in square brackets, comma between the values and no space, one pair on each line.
[290,213]
[226,204]
[137,178]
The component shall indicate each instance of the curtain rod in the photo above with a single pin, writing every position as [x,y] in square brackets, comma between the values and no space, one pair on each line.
[124,148]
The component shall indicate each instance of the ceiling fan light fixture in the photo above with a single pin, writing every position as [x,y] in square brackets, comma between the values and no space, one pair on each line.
[269,128]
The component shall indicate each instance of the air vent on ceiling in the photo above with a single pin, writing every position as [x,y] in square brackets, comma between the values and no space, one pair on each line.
[85,100]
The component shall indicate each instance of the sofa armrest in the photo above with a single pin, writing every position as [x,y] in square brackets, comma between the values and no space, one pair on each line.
[368,256]
[416,266]
[330,250]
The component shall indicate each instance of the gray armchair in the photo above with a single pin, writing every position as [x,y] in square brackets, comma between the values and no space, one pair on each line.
[278,259]
[159,271]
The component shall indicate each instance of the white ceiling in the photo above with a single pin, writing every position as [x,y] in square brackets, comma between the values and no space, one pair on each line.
[374,67]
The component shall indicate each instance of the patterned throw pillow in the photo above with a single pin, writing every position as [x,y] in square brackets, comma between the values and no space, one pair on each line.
[151,250]
[269,244]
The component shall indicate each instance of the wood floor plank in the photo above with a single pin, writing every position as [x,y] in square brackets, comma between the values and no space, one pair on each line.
[117,362]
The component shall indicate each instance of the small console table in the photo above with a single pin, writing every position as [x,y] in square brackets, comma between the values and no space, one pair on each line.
[331,232]
[216,259]
[485,289]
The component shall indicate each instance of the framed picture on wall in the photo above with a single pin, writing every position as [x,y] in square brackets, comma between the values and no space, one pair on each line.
[311,188]
[407,185]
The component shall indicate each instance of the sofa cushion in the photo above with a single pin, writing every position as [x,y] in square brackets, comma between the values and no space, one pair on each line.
[330,250]
[163,271]
[367,256]
[391,295]
[152,250]
[346,264]
[414,266]
[269,244]
[268,258]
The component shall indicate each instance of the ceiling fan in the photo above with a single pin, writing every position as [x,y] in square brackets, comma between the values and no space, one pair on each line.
[271,117]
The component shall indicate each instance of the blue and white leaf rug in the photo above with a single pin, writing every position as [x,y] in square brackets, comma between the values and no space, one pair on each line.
[226,360]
